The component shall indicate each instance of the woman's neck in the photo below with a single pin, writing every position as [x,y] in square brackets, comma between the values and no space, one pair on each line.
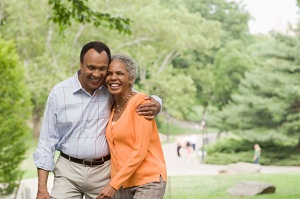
[121,101]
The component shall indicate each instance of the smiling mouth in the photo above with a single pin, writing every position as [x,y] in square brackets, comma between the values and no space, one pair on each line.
[94,80]
[114,85]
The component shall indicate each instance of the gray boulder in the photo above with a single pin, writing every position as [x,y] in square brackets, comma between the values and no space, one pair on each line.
[251,188]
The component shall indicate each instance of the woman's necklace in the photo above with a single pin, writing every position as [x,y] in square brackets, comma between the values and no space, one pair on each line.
[119,107]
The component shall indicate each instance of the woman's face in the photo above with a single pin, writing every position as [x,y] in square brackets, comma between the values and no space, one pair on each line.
[117,79]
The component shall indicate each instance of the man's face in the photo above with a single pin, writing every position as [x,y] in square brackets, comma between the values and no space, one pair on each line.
[93,70]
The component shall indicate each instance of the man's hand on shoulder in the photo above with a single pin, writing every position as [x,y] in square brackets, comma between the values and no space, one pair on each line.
[149,110]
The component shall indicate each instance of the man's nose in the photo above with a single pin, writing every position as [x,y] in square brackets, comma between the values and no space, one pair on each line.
[97,73]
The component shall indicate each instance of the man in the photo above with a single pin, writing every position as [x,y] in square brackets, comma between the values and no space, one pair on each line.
[74,123]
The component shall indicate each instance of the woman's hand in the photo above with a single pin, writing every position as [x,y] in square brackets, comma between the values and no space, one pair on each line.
[107,192]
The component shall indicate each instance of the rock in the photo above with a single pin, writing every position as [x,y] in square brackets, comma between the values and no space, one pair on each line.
[241,167]
[251,188]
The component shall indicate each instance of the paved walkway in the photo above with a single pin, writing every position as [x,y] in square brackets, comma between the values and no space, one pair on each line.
[191,164]
[176,166]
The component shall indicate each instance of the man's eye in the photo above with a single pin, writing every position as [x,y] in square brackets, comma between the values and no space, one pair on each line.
[103,68]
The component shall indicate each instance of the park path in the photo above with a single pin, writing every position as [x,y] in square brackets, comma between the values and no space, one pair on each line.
[188,164]
[176,166]
[191,164]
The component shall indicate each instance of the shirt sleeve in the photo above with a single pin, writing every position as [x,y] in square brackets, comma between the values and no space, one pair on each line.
[44,154]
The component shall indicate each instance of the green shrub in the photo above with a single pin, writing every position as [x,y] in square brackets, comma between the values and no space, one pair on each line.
[14,114]
[276,150]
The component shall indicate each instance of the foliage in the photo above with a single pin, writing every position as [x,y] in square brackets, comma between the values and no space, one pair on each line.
[168,126]
[232,15]
[217,74]
[154,43]
[40,48]
[14,114]
[191,53]
[276,150]
[231,63]
[63,11]
[267,99]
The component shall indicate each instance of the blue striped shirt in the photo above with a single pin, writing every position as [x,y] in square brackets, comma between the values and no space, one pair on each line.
[74,122]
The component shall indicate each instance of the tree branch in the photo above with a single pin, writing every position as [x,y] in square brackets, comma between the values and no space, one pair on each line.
[134,42]
[170,56]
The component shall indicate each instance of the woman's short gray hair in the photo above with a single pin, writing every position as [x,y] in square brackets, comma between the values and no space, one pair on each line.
[130,64]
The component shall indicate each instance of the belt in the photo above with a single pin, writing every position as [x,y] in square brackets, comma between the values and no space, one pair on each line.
[99,161]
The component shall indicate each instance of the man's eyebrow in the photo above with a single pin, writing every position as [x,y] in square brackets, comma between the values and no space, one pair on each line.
[97,66]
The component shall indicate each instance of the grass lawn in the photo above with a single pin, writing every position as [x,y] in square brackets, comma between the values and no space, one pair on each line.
[28,165]
[214,187]
[204,187]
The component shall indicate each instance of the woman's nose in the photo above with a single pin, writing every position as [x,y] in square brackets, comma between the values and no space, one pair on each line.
[113,76]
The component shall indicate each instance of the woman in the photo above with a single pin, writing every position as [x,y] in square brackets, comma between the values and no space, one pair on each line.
[137,161]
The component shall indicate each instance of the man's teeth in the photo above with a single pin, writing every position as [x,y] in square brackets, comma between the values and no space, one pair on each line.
[94,79]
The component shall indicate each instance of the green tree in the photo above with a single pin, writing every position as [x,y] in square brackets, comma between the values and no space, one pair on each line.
[64,12]
[48,55]
[232,16]
[230,64]
[39,47]
[217,72]
[159,35]
[267,101]
[14,115]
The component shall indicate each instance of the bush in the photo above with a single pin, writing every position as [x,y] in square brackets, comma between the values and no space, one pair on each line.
[279,151]
[14,114]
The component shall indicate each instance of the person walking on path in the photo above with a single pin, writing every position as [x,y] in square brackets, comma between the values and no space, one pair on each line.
[74,123]
[181,143]
[138,164]
[257,153]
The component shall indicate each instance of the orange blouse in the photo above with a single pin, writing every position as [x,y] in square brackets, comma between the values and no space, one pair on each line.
[136,152]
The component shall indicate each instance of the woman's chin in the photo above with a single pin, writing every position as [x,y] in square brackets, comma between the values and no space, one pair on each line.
[114,91]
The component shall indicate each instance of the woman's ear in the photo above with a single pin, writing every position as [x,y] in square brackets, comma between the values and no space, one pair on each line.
[130,81]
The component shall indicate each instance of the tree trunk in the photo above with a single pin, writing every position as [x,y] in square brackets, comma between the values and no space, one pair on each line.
[37,118]
[298,146]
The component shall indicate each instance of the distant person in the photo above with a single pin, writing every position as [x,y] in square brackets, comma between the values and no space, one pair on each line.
[257,153]
[181,143]
[188,146]
[138,168]
[193,140]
